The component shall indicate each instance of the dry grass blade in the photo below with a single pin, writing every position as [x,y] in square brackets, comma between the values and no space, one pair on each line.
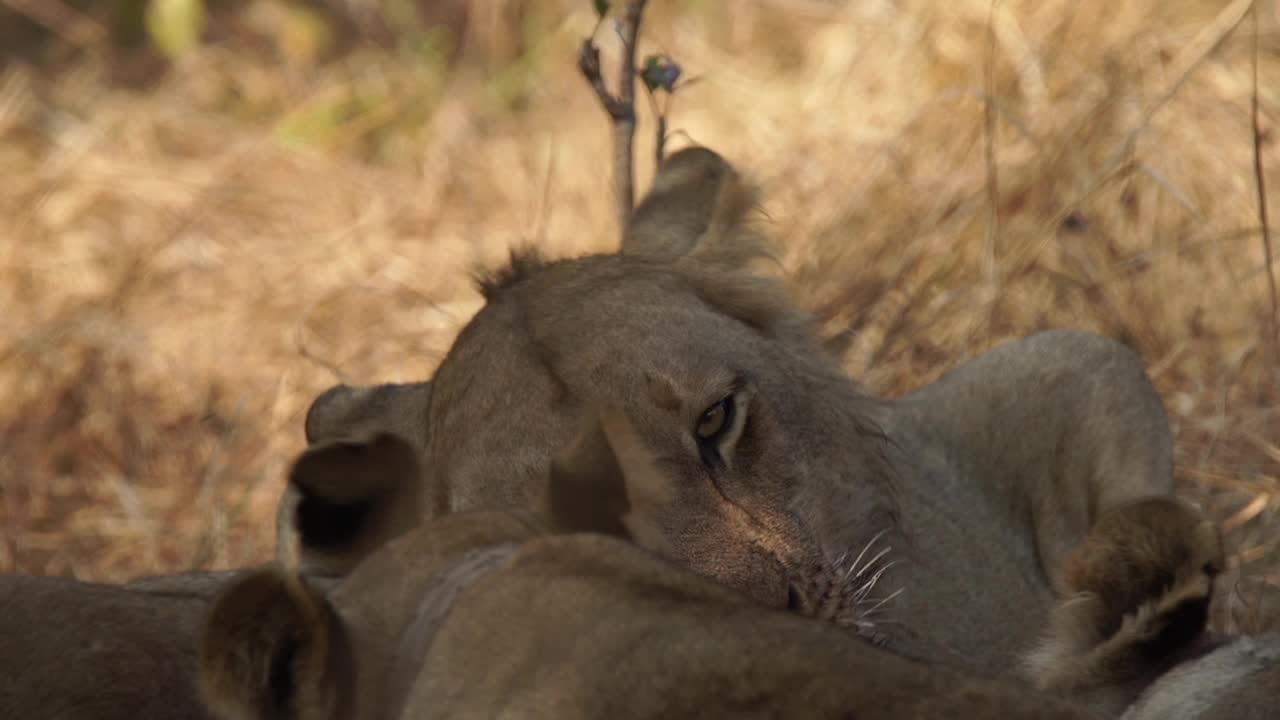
[989,155]
[1188,60]
[1246,513]
[1260,183]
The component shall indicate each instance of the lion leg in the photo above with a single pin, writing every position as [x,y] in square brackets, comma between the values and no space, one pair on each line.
[1063,437]
[1066,431]
[1052,431]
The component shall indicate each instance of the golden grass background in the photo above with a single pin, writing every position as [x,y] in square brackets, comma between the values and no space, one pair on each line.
[184,267]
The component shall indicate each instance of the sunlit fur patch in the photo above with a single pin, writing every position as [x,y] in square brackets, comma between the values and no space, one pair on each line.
[843,591]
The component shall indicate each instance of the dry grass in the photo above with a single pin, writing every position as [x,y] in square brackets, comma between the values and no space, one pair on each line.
[183,270]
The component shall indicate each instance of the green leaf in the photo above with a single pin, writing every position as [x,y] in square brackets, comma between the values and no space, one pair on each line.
[602,7]
[175,25]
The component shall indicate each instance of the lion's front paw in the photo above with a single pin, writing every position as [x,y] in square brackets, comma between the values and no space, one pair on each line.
[1138,589]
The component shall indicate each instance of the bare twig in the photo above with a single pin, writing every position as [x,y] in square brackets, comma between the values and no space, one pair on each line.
[660,117]
[660,143]
[621,107]
[1261,185]
[660,148]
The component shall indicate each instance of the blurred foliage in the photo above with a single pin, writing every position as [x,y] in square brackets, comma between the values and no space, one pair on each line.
[175,26]
[305,31]
[366,75]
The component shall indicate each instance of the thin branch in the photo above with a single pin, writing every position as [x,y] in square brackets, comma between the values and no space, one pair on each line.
[589,64]
[1261,185]
[660,116]
[620,108]
[660,147]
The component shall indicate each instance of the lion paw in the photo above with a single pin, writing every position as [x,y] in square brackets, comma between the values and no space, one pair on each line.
[1138,591]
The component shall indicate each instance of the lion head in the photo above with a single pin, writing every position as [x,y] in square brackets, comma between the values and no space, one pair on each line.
[921,521]
[766,443]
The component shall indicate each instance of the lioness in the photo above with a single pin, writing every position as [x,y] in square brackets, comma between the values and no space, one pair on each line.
[938,523]
[492,614]
[83,651]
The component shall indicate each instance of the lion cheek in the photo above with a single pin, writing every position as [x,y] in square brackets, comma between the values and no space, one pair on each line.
[745,567]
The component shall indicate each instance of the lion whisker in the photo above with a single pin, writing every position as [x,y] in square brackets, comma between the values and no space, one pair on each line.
[870,563]
[850,573]
[876,577]
[874,539]
[881,622]
[866,587]
[881,603]
[840,560]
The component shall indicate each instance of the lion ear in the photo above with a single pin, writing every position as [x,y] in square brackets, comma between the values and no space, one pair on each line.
[347,498]
[607,482]
[699,206]
[343,411]
[266,648]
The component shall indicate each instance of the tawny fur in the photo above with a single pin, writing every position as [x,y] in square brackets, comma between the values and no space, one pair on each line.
[503,614]
[87,651]
[1137,591]
[268,630]
[989,477]
[986,478]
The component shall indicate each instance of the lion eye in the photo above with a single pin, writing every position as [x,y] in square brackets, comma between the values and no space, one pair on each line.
[716,420]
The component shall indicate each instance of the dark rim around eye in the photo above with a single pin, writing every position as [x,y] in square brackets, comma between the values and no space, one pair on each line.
[726,408]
